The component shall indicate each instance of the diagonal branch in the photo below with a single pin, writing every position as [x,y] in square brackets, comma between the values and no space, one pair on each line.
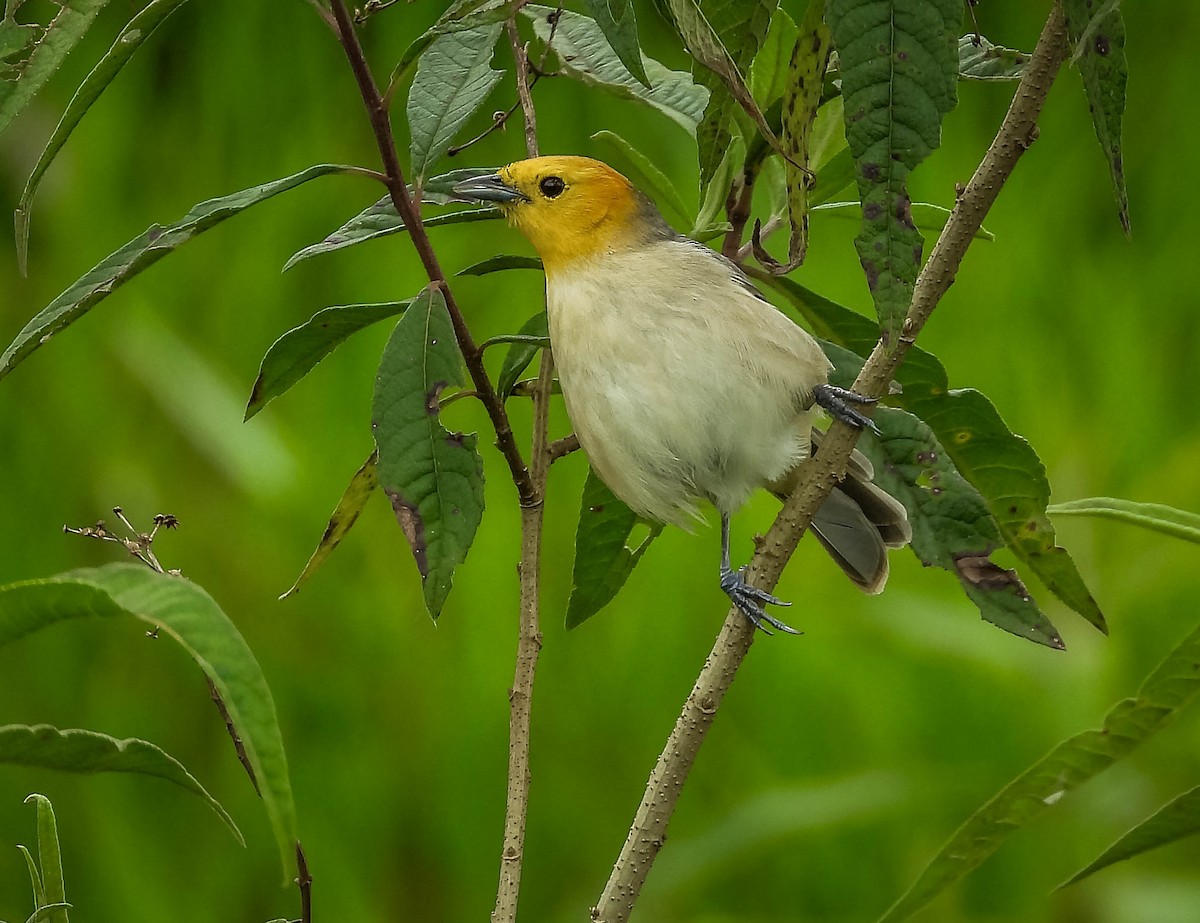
[411,215]
[1017,132]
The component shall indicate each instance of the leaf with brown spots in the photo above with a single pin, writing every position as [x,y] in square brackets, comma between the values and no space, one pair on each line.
[1001,465]
[433,478]
[355,497]
[1098,33]
[899,68]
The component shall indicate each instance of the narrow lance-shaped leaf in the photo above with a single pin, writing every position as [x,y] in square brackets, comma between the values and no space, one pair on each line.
[21,82]
[433,478]
[35,877]
[899,68]
[723,46]
[75,750]
[355,497]
[649,178]
[1000,464]
[49,857]
[139,28]
[141,252]
[801,99]
[501,263]
[297,352]
[1153,516]
[1098,34]
[768,75]
[1170,687]
[519,355]
[603,560]
[454,77]
[1175,821]
[584,54]
[381,219]
[618,22]
[979,59]
[179,608]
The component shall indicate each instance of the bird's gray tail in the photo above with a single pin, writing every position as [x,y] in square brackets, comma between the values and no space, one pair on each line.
[858,523]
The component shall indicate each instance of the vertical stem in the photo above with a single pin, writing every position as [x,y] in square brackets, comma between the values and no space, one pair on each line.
[529,637]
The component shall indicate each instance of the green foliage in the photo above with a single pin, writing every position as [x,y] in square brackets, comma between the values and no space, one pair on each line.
[519,355]
[139,28]
[648,177]
[49,888]
[1170,687]
[979,59]
[1156,517]
[189,615]
[618,22]
[297,352]
[139,254]
[899,67]
[1098,34]
[76,750]
[603,559]
[433,478]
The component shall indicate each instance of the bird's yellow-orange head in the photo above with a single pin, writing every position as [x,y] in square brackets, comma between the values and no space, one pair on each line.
[570,208]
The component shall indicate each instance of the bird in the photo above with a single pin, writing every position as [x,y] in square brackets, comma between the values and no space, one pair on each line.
[683,383]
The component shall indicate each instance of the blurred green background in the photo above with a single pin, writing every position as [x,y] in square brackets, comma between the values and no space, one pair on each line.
[841,760]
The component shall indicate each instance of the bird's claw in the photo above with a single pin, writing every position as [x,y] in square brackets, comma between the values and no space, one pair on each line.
[840,402]
[750,601]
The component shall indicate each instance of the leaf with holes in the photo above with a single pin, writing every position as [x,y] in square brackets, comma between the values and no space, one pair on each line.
[433,478]
[1001,465]
[1168,689]
[603,560]
[140,253]
[899,68]
[355,497]
[47,48]
[138,29]
[179,608]
[454,78]
[1097,32]
[585,54]
[297,352]
[76,750]
[979,59]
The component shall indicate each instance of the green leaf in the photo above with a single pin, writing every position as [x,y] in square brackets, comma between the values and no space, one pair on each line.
[355,497]
[433,478]
[1153,516]
[46,912]
[723,36]
[499,264]
[1175,821]
[584,53]
[140,253]
[77,750]
[952,526]
[925,215]
[454,77]
[519,355]
[768,76]
[801,99]
[1098,35]
[647,177]
[127,43]
[465,14]
[1001,465]
[189,615]
[1170,687]
[717,190]
[297,352]
[979,59]
[899,68]
[35,878]
[603,560]
[620,30]
[20,83]
[381,219]
[49,857]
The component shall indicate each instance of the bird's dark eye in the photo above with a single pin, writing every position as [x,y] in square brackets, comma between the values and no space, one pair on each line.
[552,187]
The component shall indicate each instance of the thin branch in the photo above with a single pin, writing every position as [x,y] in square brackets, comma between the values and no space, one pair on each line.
[529,637]
[1017,131]
[304,883]
[381,124]
[560,447]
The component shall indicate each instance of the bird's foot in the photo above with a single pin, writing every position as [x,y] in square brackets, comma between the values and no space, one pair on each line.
[750,601]
[840,404]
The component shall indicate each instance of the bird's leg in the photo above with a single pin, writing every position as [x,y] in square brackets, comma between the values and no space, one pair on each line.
[748,599]
[840,404]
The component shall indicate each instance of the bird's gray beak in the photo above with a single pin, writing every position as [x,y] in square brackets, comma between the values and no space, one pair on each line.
[490,188]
